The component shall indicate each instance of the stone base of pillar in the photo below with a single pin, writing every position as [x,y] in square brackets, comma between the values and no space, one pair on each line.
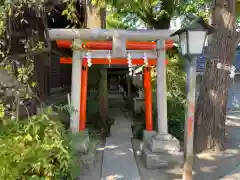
[162,151]
[148,135]
[80,141]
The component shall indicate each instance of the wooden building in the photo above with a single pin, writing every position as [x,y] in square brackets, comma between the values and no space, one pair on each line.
[50,75]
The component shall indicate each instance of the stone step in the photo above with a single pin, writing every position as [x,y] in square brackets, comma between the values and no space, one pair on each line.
[161,160]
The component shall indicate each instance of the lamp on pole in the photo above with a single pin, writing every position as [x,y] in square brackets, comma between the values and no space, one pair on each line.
[192,40]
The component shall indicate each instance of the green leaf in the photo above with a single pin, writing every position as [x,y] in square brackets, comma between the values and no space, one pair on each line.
[2,111]
[28,137]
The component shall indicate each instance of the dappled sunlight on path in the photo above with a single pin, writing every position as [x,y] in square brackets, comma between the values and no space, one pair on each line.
[118,160]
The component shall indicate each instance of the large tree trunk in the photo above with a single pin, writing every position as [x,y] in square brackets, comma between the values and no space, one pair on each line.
[211,105]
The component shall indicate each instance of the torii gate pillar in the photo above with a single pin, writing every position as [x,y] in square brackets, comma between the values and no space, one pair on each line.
[162,150]
[76,85]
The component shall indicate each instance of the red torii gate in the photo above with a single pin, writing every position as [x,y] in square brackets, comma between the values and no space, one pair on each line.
[107,45]
[119,46]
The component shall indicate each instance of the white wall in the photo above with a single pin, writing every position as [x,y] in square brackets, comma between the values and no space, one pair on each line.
[233,93]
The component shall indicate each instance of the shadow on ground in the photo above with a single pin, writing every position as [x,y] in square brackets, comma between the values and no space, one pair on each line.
[208,165]
[92,166]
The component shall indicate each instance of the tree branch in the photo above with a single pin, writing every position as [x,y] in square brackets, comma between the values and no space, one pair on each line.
[30,53]
[58,53]
[34,53]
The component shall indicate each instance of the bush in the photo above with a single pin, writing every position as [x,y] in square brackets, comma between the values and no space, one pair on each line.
[37,148]
[176,118]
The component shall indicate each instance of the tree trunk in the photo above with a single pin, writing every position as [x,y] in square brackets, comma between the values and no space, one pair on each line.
[103,86]
[96,18]
[211,105]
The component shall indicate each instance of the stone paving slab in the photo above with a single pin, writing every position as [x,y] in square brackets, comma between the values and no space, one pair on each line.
[118,160]
[122,124]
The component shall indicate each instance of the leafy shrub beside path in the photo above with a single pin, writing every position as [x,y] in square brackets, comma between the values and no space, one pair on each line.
[34,149]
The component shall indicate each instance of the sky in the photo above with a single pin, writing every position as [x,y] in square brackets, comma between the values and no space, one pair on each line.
[175,24]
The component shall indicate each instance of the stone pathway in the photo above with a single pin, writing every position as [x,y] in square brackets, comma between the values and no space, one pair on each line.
[118,159]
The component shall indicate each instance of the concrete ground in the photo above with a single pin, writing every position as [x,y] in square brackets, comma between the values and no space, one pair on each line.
[91,168]
[207,166]
[234,175]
